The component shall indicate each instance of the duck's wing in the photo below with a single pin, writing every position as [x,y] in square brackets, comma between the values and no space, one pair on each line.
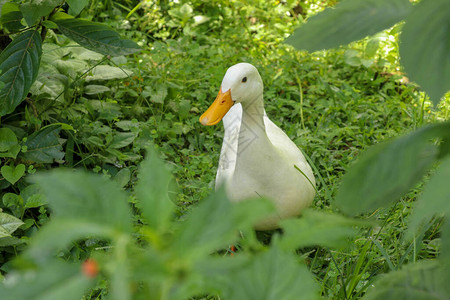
[287,148]
[227,161]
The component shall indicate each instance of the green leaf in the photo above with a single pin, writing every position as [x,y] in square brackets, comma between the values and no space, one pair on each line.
[58,280]
[348,21]
[4,233]
[78,195]
[61,233]
[425,47]
[424,280]
[152,191]
[160,94]
[388,170]
[105,72]
[44,146]
[272,275]
[9,223]
[317,228]
[8,139]
[122,177]
[76,6]
[122,139]
[32,196]
[34,9]
[435,196]
[11,17]
[19,64]
[215,222]
[13,174]
[95,89]
[94,36]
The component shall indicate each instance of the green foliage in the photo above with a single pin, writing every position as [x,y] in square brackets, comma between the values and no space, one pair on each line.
[19,64]
[348,21]
[94,36]
[423,44]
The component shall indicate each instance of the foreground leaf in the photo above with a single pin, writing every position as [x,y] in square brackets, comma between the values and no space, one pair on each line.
[348,21]
[56,281]
[387,171]
[152,191]
[44,146]
[215,223]
[83,196]
[317,228]
[425,47]
[94,36]
[435,196]
[60,233]
[421,281]
[272,275]
[19,65]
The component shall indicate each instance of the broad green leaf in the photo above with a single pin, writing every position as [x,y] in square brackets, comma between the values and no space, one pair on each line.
[435,196]
[58,280]
[94,36]
[44,146]
[61,233]
[19,65]
[95,89]
[348,21]
[122,139]
[272,275]
[11,16]
[425,47]
[13,174]
[9,223]
[105,72]
[84,196]
[76,6]
[388,170]
[122,177]
[152,191]
[424,280]
[4,233]
[214,224]
[32,196]
[35,9]
[316,228]
[8,139]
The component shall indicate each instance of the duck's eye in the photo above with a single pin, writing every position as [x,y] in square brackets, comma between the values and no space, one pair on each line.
[244,79]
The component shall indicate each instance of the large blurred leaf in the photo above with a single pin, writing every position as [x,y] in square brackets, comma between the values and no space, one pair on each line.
[435,197]
[11,16]
[348,21]
[60,233]
[272,275]
[83,196]
[421,281]
[387,171]
[317,228]
[425,47]
[152,191]
[94,36]
[34,9]
[19,64]
[214,224]
[56,281]
[44,146]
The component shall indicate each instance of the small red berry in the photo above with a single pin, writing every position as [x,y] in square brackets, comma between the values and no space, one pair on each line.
[90,268]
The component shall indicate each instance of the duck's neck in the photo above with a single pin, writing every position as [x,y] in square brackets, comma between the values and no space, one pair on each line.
[252,133]
[253,115]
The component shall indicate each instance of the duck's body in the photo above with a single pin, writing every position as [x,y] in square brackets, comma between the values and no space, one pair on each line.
[257,157]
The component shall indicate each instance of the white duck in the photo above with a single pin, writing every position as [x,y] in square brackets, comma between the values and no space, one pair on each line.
[257,157]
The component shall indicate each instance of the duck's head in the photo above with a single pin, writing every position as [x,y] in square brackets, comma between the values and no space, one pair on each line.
[242,84]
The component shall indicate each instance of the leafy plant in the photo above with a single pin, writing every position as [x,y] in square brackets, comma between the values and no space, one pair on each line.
[389,170]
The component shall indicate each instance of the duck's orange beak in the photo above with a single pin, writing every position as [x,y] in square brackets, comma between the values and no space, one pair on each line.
[218,108]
